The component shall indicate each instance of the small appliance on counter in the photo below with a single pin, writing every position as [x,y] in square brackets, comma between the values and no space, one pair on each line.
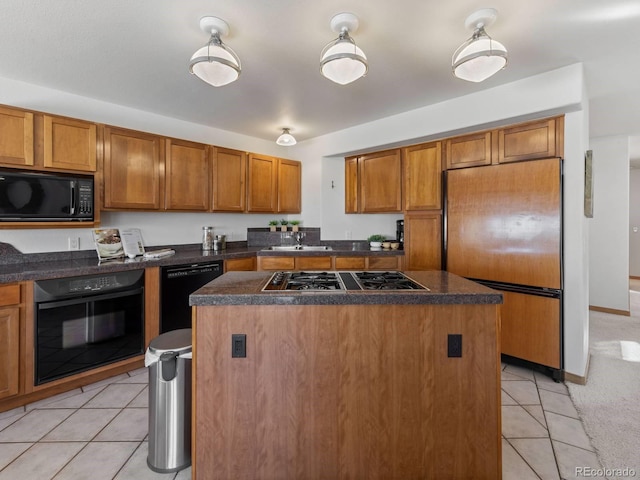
[400,233]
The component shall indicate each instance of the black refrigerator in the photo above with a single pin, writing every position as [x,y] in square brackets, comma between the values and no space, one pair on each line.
[503,228]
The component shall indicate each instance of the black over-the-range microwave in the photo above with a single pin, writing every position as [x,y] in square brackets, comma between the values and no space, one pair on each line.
[44,197]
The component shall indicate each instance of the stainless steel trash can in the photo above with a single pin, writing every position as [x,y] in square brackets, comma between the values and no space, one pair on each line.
[169,360]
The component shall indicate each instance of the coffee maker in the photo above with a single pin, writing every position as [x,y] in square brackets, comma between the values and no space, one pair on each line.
[400,233]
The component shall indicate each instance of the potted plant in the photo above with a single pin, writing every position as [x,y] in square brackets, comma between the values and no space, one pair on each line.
[272,225]
[294,225]
[283,225]
[375,241]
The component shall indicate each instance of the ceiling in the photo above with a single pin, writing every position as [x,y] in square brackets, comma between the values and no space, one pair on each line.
[136,53]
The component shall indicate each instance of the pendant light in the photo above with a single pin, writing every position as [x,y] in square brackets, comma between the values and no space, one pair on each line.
[341,60]
[479,57]
[215,63]
[286,139]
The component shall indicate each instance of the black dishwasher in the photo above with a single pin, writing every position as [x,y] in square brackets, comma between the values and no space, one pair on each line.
[177,282]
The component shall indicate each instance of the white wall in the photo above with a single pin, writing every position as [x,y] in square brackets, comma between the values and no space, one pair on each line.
[634,222]
[609,229]
[559,91]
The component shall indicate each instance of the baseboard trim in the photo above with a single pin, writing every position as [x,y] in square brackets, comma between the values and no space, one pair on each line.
[614,311]
[577,379]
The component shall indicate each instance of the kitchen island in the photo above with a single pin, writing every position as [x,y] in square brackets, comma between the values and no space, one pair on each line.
[346,384]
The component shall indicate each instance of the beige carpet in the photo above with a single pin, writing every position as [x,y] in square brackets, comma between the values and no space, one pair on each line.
[609,404]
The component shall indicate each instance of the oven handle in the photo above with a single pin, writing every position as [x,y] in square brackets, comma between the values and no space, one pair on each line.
[88,298]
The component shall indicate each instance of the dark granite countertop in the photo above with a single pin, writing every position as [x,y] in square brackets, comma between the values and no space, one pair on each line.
[16,267]
[245,288]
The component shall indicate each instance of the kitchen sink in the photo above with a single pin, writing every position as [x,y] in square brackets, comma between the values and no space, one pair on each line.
[294,248]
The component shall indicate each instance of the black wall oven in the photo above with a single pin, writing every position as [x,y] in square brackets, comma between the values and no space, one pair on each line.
[86,322]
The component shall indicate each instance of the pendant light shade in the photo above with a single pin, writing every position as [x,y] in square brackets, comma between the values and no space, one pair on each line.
[481,56]
[286,139]
[215,63]
[341,60]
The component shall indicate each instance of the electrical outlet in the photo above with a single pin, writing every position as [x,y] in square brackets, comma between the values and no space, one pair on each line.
[238,345]
[74,243]
[454,345]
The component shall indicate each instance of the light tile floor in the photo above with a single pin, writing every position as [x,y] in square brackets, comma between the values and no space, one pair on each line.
[100,432]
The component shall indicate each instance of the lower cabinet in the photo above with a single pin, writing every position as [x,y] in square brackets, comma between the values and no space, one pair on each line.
[240,264]
[326,262]
[9,340]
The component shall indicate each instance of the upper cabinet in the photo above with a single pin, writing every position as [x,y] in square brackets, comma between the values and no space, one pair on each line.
[262,184]
[228,180]
[69,144]
[532,140]
[16,137]
[274,185]
[133,170]
[289,186]
[469,150]
[422,165]
[373,183]
[187,166]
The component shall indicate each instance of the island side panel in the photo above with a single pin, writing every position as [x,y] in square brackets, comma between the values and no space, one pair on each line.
[347,392]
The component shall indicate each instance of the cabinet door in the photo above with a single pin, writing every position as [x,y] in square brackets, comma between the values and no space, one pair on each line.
[186,175]
[276,263]
[69,144]
[351,185]
[16,137]
[381,182]
[422,176]
[240,264]
[384,263]
[423,241]
[531,328]
[9,350]
[469,150]
[263,182]
[289,186]
[313,263]
[229,180]
[528,141]
[133,170]
[350,263]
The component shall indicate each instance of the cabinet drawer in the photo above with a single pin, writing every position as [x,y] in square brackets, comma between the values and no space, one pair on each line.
[378,263]
[276,263]
[9,295]
[240,264]
[350,263]
[313,263]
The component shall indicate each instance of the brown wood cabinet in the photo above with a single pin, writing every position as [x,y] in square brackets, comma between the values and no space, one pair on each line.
[187,167]
[240,264]
[423,241]
[229,180]
[274,185]
[289,186]
[262,196]
[347,392]
[16,137]
[330,262]
[69,144]
[530,140]
[422,179]
[373,183]
[469,150]
[133,170]
[10,315]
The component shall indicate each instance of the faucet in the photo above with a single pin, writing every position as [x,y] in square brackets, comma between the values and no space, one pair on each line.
[299,236]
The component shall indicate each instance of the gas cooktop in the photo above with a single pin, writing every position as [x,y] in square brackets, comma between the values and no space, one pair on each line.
[336,281]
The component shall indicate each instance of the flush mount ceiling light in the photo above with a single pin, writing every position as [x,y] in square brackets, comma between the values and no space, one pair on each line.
[215,63]
[479,57]
[286,139]
[341,60]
